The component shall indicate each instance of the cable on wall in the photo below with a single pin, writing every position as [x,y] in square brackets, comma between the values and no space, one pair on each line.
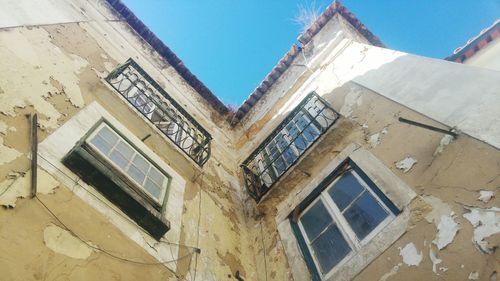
[104,251]
[198,227]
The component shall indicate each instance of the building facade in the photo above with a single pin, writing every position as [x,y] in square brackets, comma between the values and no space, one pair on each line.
[350,161]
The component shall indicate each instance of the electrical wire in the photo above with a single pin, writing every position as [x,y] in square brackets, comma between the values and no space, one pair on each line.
[264,248]
[104,251]
[77,183]
[198,227]
[192,249]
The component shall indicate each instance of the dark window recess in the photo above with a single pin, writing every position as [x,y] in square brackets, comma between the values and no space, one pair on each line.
[84,162]
[284,146]
[148,97]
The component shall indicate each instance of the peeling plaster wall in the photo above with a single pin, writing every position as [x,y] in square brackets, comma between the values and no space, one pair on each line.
[448,175]
[55,63]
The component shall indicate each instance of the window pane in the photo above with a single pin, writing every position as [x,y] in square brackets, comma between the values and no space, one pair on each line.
[330,248]
[290,155]
[364,215]
[141,163]
[280,165]
[101,144]
[345,190]
[152,188]
[125,150]
[156,176]
[108,135]
[315,220]
[136,174]
[118,159]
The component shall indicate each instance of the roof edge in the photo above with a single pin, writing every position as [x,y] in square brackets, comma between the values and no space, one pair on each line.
[334,8]
[475,44]
[166,53]
[304,38]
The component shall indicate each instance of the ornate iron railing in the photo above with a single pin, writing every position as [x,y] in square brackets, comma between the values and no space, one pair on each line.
[284,146]
[149,98]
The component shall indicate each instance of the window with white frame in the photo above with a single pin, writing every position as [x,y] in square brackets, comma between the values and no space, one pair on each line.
[113,165]
[129,161]
[345,215]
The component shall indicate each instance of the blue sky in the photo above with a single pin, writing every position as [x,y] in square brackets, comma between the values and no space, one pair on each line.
[232,45]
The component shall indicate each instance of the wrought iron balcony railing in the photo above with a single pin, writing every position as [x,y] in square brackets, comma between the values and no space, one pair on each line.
[285,145]
[149,98]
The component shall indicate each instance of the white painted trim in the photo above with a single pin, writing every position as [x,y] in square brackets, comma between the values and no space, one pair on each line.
[394,188]
[58,144]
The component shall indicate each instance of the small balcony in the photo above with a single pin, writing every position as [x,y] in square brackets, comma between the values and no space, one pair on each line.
[144,94]
[286,144]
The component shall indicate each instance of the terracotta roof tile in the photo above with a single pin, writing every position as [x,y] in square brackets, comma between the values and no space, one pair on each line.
[475,44]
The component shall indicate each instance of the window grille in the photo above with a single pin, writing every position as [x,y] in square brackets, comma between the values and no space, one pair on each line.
[149,98]
[280,150]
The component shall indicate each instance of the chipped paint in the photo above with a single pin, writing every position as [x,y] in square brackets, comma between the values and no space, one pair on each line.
[374,140]
[7,154]
[63,242]
[411,256]
[474,275]
[20,187]
[485,195]
[434,259]
[391,273]
[351,100]
[446,140]
[486,222]
[439,209]
[37,61]
[447,229]
[406,164]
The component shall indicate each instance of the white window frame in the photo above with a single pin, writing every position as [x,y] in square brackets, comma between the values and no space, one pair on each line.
[342,224]
[398,192]
[123,171]
[54,148]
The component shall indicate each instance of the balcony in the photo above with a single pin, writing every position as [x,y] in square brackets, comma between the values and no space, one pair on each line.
[286,144]
[145,95]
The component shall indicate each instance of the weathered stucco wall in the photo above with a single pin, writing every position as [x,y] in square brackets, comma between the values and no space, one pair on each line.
[55,64]
[453,179]
[55,67]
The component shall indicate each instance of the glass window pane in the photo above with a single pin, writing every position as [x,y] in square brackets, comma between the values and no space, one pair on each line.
[153,188]
[311,132]
[141,163]
[280,165]
[108,135]
[330,248]
[290,155]
[364,215]
[136,174]
[101,144]
[156,176]
[345,190]
[125,150]
[315,220]
[118,159]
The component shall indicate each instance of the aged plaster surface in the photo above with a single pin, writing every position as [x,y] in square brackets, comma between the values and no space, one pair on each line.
[19,186]
[410,255]
[57,71]
[63,242]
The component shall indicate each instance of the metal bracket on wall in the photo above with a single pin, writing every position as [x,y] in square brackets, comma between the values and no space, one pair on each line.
[429,127]
[34,153]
